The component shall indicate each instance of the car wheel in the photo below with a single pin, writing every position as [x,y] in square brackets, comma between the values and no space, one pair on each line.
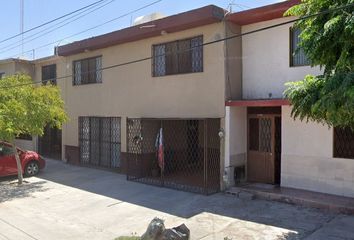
[32,169]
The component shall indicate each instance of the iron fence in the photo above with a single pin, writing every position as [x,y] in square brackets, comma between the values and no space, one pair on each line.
[191,153]
[99,141]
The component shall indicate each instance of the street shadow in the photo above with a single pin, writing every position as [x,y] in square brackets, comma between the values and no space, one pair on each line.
[10,190]
[300,221]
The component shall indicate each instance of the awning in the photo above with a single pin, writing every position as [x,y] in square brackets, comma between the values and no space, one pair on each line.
[257,103]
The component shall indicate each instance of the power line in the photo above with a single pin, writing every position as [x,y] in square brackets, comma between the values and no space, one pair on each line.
[94,27]
[53,20]
[51,29]
[197,46]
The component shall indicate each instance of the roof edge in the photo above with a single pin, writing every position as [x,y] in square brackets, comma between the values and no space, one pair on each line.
[260,14]
[175,23]
[258,103]
[16,60]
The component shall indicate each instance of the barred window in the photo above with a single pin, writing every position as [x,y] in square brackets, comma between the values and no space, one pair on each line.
[343,143]
[297,57]
[182,56]
[86,71]
[49,74]
[99,141]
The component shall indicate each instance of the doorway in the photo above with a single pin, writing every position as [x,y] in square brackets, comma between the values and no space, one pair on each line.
[191,153]
[264,145]
[49,145]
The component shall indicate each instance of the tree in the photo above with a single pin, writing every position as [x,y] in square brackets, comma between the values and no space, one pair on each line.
[328,42]
[27,109]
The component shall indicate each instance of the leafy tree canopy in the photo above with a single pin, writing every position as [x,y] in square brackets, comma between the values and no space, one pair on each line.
[27,109]
[328,41]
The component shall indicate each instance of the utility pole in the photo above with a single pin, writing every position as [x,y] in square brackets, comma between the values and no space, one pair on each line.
[22,13]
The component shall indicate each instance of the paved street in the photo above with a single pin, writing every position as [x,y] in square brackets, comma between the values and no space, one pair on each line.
[69,202]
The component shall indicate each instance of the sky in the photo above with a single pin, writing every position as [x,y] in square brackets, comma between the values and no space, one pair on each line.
[37,12]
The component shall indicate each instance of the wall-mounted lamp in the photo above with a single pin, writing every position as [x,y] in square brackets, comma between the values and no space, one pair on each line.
[221,133]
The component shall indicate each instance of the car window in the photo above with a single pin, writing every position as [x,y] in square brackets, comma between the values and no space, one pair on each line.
[5,150]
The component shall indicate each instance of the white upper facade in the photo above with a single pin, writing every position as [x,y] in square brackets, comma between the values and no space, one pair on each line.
[266,64]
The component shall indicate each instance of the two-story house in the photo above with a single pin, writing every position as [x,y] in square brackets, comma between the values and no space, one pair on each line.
[263,137]
[12,66]
[123,88]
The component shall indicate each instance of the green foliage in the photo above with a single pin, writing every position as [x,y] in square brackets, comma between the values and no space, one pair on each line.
[328,41]
[328,100]
[27,109]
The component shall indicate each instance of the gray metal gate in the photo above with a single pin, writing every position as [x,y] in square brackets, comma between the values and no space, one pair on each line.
[191,153]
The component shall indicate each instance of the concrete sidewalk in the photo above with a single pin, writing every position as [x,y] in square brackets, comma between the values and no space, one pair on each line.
[69,202]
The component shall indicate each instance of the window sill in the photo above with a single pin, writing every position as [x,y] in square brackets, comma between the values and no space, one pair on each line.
[296,66]
[175,74]
[84,84]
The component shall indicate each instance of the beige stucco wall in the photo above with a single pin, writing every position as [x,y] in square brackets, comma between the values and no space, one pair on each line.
[11,67]
[266,66]
[233,62]
[131,91]
[7,68]
[27,144]
[307,158]
[25,68]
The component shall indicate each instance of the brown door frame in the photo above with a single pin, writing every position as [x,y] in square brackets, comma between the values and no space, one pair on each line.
[272,153]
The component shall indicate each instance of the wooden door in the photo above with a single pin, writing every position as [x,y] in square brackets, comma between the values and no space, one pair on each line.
[261,160]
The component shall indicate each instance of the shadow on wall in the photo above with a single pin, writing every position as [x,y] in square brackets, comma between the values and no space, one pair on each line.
[10,190]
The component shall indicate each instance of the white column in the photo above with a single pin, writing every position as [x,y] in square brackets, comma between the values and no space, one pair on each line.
[227,173]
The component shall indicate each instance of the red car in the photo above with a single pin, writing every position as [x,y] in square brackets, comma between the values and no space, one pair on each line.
[31,161]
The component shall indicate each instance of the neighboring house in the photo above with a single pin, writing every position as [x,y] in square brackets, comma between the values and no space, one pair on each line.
[12,66]
[220,106]
[263,136]
[50,143]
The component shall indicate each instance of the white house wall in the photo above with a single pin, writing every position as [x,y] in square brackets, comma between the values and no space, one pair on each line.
[265,64]
[235,141]
[307,158]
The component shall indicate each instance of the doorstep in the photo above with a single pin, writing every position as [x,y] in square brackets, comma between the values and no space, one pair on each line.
[329,202]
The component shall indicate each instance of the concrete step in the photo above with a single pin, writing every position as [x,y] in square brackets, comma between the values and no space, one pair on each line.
[328,202]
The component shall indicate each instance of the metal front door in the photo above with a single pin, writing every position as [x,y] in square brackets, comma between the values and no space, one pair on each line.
[261,140]
[49,145]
